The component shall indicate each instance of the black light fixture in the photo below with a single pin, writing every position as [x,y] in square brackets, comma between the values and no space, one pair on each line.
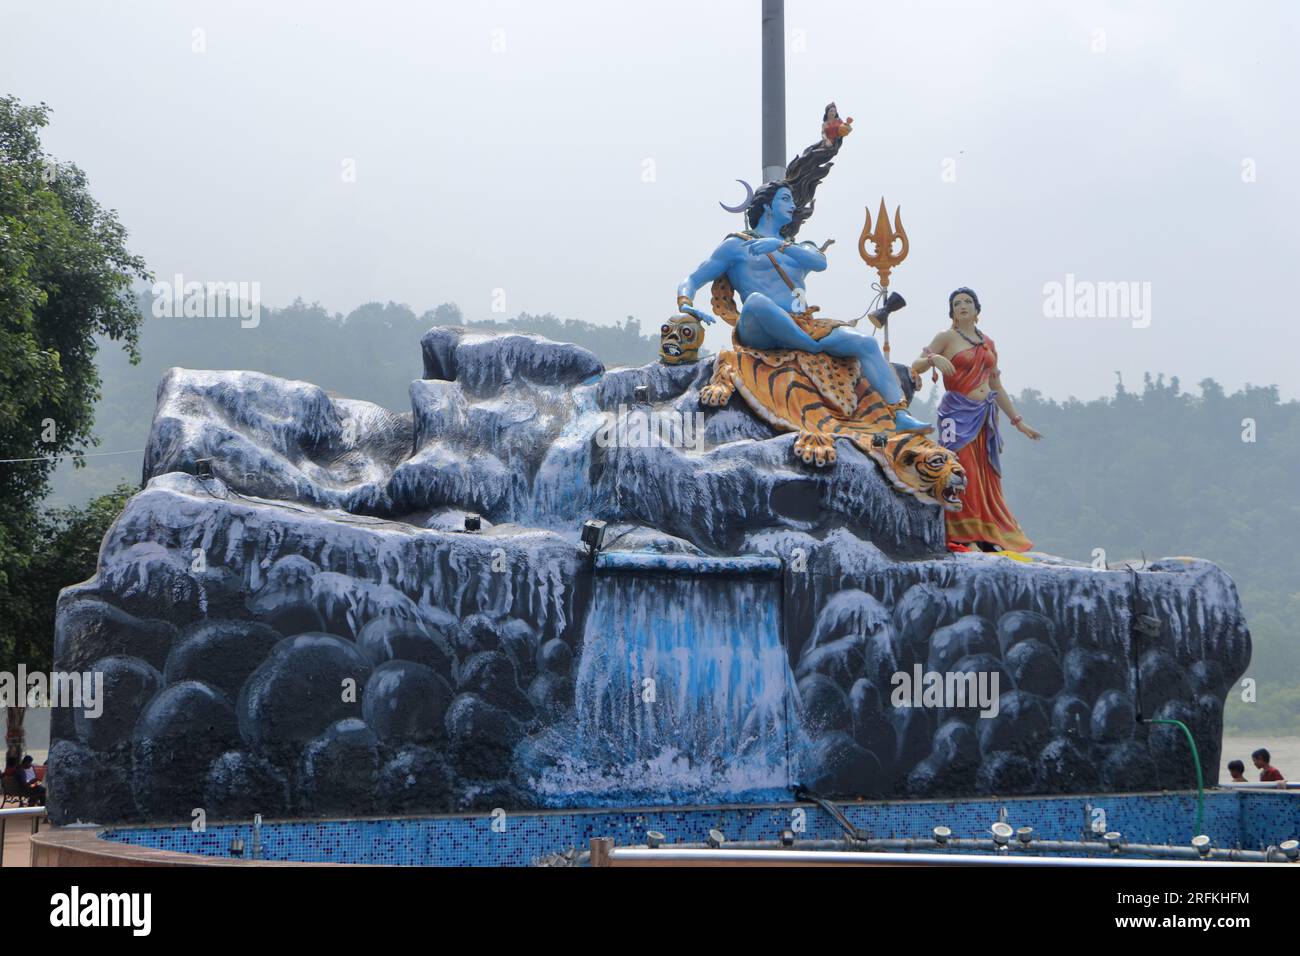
[654,839]
[641,394]
[203,467]
[787,837]
[1147,625]
[593,534]
[473,522]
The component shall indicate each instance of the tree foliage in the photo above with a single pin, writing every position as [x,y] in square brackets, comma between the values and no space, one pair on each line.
[65,285]
[66,552]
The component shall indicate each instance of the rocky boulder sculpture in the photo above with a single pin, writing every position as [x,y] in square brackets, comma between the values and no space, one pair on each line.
[291,617]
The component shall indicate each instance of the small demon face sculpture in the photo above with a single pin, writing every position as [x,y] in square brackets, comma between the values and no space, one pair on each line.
[680,339]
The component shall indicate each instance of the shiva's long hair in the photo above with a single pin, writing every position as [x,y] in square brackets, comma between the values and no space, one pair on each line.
[802,177]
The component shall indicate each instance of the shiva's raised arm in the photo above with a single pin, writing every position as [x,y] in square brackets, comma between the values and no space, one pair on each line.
[807,256]
[710,269]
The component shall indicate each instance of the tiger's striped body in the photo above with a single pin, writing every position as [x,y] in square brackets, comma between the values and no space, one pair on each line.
[824,398]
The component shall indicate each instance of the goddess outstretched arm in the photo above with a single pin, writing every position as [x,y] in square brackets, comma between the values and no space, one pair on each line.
[1004,403]
[710,269]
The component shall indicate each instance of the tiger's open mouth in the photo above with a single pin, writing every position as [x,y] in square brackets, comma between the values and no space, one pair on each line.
[952,490]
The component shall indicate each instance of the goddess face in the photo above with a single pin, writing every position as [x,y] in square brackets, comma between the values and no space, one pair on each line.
[963,308]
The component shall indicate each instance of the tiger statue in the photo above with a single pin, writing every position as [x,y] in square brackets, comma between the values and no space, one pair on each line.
[823,398]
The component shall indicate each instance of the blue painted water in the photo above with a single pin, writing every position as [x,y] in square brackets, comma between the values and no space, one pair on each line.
[683,694]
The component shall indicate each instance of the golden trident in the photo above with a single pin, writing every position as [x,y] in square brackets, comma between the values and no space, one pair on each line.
[884,258]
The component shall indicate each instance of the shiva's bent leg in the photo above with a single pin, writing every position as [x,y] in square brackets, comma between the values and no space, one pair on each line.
[879,373]
[850,344]
[765,325]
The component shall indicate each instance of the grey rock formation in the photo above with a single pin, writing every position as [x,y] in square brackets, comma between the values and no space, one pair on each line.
[311,632]
[517,429]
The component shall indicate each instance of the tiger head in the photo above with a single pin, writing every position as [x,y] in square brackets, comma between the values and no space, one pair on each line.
[680,339]
[928,470]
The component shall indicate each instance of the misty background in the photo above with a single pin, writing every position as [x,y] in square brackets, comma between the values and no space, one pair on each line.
[572,155]
[376,168]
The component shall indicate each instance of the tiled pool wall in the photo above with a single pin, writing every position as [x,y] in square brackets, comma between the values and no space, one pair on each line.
[1233,819]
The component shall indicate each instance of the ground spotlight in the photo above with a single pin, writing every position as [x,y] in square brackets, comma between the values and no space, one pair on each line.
[942,835]
[593,534]
[1147,625]
[1202,844]
[473,522]
[1001,833]
[716,838]
[1113,839]
[1291,848]
[787,838]
[654,839]
[1025,834]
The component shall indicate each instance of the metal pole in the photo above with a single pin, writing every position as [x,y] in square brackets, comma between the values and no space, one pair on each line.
[602,848]
[773,90]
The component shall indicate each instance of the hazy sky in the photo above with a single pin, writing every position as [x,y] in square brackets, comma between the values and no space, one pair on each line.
[572,154]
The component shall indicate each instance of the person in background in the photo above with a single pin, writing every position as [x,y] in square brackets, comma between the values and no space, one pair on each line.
[27,776]
[1267,772]
[1237,770]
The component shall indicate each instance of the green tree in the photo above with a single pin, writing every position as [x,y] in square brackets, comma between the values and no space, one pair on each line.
[66,551]
[65,279]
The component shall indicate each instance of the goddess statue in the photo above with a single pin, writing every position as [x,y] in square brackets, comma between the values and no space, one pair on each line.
[968,425]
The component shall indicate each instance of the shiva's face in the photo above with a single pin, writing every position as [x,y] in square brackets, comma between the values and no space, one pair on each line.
[783,205]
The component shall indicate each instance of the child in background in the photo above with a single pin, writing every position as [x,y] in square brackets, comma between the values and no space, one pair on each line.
[1267,772]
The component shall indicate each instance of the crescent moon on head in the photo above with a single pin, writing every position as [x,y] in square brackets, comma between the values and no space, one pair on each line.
[749,198]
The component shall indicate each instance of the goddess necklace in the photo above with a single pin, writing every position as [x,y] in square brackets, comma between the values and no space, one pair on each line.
[968,339]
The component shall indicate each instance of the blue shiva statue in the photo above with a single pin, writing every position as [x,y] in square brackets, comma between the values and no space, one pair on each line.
[768,268]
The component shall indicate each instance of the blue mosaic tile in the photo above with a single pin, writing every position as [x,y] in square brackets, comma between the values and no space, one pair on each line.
[1233,819]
